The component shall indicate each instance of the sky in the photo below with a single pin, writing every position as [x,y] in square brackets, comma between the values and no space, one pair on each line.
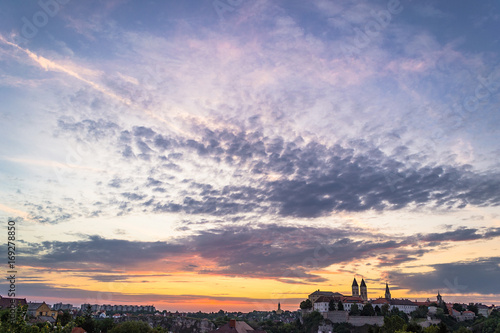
[233,154]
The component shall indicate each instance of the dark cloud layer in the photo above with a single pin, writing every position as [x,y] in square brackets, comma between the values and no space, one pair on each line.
[475,276]
[287,254]
[97,251]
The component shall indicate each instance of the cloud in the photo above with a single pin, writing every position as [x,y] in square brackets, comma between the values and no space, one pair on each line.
[98,252]
[284,253]
[462,277]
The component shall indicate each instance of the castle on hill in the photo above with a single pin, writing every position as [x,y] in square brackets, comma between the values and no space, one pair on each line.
[324,301]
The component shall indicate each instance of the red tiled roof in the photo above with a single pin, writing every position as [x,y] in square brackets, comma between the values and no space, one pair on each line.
[352,299]
[380,301]
[78,330]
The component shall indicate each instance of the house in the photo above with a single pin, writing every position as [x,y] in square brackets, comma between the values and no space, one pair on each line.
[404,305]
[322,304]
[483,310]
[236,327]
[46,319]
[40,309]
[461,316]
[78,330]
[317,294]
[348,302]
[468,315]
[380,302]
[5,302]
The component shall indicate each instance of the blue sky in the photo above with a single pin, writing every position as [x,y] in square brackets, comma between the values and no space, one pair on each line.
[203,154]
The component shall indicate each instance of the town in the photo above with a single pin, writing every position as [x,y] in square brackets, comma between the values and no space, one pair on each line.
[320,312]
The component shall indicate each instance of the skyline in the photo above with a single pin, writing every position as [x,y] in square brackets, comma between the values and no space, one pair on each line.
[210,155]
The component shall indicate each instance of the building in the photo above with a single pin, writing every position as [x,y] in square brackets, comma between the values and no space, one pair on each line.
[279,311]
[387,292]
[349,301]
[404,305]
[380,302]
[6,302]
[439,299]
[317,294]
[363,290]
[322,304]
[62,307]
[483,310]
[355,288]
[41,309]
[118,308]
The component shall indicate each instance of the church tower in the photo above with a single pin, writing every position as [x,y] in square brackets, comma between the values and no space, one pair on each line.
[355,288]
[363,290]
[387,292]
[439,299]
[279,311]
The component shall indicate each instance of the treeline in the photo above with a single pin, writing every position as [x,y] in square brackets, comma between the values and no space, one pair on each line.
[17,322]
[395,321]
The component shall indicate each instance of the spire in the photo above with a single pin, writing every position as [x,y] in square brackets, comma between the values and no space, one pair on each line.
[387,288]
[363,290]
[355,288]
[387,292]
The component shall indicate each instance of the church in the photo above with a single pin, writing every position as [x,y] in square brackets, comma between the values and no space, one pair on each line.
[321,299]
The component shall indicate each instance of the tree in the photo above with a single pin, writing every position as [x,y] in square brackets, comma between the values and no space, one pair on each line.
[65,318]
[443,328]
[431,329]
[340,306]
[458,307]
[377,310]
[306,305]
[396,312]
[14,321]
[413,326]
[445,308]
[472,307]
[312,321]
[393,324]
[86,321]
[354,310]
[462,329]
[420,312]
[385,309]
[368,310]
[105,325]
[331,305]
[132,327]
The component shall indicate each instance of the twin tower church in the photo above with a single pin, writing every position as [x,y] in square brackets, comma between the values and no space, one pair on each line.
[362,292]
